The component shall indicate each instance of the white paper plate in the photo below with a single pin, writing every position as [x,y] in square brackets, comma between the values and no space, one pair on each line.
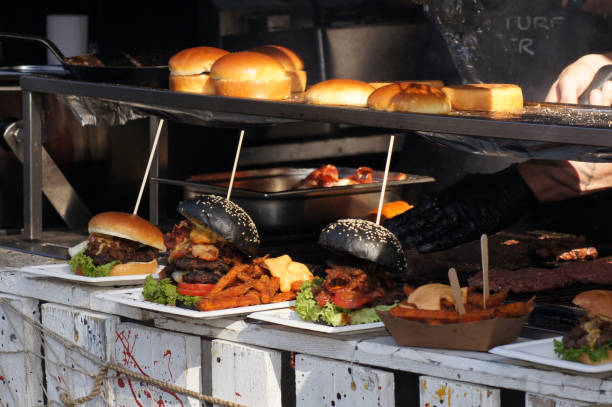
[291,318]
[542,352]
[133,297]
[63,271]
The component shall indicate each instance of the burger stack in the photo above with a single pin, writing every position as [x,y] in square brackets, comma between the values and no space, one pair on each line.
[269,72]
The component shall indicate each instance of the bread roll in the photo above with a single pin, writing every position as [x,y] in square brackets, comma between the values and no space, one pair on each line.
[584,358]
[189,69]
[485,96]
[434,83]
[597,302]
[127,226]
[291,62]
[250,74]
[341,92]
[132,268]
[409,97]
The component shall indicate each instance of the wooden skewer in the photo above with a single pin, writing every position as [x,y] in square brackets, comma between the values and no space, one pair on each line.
[454,282]
[231,183]
[484,252]
[384,183]
[146,174]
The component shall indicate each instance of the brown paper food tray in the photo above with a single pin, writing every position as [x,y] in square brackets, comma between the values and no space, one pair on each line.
[478,336]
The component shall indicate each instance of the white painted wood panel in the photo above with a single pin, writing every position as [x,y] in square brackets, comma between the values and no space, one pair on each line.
[537,400]
[21,375]
[67,369]
[325,382]
[473,367]
[12,281]
[167,356]
[438,392]
[247,375]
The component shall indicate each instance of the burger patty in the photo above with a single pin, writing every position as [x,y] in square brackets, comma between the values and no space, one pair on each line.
[105,249]
[577,337]
[199,271]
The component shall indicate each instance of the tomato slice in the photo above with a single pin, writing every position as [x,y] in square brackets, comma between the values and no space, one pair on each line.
[195,290]
[354,299]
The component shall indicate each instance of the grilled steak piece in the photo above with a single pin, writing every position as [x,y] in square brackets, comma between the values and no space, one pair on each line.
[506,251]
[534,279]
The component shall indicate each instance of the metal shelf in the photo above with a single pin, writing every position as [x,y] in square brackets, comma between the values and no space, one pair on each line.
[567,124]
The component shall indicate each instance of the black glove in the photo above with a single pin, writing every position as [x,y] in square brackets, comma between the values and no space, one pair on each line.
[477,204]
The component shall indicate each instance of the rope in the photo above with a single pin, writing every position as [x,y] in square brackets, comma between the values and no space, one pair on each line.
[66,399]
[66,396]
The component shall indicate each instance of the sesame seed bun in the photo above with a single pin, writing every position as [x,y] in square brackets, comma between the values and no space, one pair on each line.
[340,92]
[409,97]
[250,75]
[225,218]
[365,240]
[127,226]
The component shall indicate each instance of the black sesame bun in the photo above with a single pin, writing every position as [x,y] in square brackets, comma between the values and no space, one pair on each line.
[365,240]
[223,217]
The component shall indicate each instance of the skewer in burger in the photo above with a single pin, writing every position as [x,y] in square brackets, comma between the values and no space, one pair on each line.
[590,341]
[215,236]
[119,243]
[358,280]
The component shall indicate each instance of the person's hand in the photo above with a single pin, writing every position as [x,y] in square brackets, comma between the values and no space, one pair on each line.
[575,79]
[477,204]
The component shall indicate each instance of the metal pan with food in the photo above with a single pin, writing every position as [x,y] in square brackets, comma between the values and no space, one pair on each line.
[126,69]
[267,196]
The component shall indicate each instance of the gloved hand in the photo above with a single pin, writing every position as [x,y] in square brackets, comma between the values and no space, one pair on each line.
[477,204]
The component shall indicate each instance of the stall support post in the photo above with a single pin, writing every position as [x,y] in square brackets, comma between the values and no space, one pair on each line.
[32,166]
[154,172]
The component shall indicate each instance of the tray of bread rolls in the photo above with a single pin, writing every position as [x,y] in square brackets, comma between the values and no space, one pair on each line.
[269,85]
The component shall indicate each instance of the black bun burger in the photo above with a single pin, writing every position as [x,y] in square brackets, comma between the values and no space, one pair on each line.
[365,240]
[359,279]
[216,235]
[119,243]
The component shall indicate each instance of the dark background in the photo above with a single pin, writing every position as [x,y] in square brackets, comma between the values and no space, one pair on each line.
[522,42]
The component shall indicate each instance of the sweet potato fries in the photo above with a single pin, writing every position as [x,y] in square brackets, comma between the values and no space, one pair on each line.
[245,285]
[447,314]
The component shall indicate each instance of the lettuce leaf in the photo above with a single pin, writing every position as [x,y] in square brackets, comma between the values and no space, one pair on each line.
[595,354]
[85,264]
[164,292]
[305,304]
[331,314]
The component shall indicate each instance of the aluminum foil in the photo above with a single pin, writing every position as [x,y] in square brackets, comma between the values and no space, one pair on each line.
[520,149]
[92,112]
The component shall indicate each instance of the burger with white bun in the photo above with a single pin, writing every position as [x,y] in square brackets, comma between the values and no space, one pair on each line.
[190,69]
[119,243]
[590,341]
[359,279]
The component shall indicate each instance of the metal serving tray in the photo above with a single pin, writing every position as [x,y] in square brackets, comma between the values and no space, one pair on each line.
[267,197]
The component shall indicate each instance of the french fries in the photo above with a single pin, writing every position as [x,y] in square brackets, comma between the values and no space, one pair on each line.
[247,284]
[496,308]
